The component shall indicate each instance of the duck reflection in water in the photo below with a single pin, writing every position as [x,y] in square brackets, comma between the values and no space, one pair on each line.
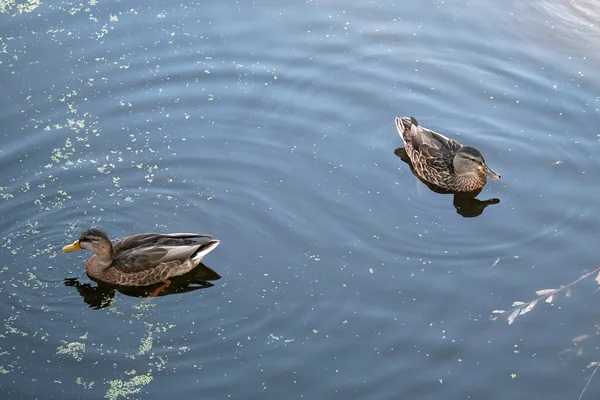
[102,295]
[465,202]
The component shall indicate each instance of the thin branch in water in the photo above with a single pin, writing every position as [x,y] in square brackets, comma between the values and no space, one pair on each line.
[521,308]
[594,364]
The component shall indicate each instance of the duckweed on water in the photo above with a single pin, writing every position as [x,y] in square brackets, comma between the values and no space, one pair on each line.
[11,6]
[146,344]
[74,349]
[10,328]
[86,385]
[121,388]
[160,363]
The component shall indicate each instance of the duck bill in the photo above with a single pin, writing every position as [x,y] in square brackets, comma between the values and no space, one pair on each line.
[491,173]
[72,247]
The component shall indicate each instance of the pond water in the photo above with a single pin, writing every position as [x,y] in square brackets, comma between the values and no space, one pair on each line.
[270,125]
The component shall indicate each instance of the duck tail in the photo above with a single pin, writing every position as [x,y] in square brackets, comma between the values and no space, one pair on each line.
[404,124]
[204,250]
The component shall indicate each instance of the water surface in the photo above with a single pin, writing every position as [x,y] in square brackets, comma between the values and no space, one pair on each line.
[271,127]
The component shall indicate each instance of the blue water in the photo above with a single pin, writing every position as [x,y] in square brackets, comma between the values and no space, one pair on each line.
[270,125]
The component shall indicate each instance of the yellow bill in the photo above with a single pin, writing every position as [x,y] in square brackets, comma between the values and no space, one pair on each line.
[72,247]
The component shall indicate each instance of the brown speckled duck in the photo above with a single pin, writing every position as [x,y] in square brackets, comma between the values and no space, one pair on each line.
[442,161]
[144,259]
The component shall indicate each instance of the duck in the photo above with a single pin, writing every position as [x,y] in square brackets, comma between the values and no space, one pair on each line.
[144,259]
[442,161]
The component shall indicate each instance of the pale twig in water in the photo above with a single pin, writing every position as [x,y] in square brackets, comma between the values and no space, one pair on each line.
[521,308]
[594,364]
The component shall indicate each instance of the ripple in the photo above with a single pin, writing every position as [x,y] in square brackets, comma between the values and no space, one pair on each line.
[571,25]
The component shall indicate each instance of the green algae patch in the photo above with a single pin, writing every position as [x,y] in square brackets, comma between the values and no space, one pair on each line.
[20,7]
[86,385]
[146,343]
[74,349]
[126,388]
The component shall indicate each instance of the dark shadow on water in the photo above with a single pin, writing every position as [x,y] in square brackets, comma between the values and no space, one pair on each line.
[102,295]
[465,203]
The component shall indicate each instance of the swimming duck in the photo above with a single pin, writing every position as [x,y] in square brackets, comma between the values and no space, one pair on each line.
[144,259]
[442,161]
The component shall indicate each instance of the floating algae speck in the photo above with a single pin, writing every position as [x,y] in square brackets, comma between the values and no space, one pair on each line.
[3,190]
[48,252]
[14,7]
[10,328]
[86,385]
[125,388]
[34,282]
[74,349]
[160,363]
[146,344]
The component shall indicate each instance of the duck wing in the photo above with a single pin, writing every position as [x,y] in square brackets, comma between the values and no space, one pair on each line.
[432,157]
[144,252]
[430,147]
[415,135]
